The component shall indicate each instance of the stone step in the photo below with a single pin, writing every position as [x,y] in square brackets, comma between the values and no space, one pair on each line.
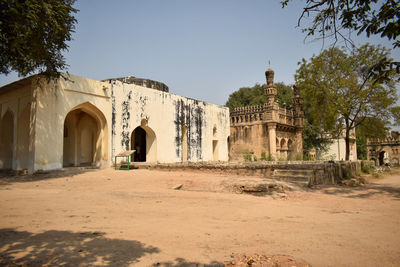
[282,172]
[300,180]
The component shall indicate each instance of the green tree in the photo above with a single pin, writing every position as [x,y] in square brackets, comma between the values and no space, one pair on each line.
[370,128]
[330,18]
[33,34]
[342,93]
[251,96]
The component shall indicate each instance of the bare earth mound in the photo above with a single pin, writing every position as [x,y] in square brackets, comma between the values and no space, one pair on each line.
[121,218]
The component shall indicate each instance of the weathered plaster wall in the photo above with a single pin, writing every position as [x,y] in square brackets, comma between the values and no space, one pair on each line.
[164,116]
[53,102]
[74,121]
[15,125]
[337,150]
[251,137]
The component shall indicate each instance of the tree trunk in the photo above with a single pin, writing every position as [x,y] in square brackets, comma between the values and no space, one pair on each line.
[347,139]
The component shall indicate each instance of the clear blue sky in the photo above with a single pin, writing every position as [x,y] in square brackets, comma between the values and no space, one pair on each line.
[201,49]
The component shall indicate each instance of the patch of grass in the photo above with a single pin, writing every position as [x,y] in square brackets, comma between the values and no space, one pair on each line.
[263,155]
[366,167]
[247,155]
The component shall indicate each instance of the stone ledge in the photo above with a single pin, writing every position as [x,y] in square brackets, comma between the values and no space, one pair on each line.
[324,172]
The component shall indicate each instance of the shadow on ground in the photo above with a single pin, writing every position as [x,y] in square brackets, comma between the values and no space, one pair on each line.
[9,177]
[56,248]
[180,262]
[367,191]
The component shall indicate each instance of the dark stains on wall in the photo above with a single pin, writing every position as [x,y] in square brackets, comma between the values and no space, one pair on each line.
[141,102]
[113,117]
[125,117]
[198,120]
[191,115]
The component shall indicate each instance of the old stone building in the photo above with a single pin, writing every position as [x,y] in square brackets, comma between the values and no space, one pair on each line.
[337,148]
[267,129]
[79,121]
[386,150]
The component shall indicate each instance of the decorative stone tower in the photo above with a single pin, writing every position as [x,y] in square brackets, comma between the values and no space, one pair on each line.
[270,88]
[268,130]
[298,116]
[297,103]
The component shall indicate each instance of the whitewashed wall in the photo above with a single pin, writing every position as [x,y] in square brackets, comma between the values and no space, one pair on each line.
[165,114]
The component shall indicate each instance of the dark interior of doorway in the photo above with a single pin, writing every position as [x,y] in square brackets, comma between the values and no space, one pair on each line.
[381,158]
[139,137]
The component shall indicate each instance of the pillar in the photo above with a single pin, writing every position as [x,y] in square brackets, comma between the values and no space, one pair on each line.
[272,139]
[299,142]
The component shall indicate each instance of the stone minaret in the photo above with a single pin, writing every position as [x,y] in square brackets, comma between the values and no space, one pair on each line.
[270,88]
[297,103]
[298,120]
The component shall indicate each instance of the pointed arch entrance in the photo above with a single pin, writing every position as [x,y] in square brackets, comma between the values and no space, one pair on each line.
[383,155]
[85,137]
[6,140]
[143,140]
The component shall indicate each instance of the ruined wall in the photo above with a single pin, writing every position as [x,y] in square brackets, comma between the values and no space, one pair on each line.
[245,138]
[322,172]
[381,151]
[164,117]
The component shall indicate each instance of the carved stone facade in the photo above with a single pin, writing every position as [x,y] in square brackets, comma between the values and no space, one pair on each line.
[267,128]
[384,151]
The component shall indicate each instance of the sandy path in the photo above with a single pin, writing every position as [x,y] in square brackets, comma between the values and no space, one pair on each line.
[119,218]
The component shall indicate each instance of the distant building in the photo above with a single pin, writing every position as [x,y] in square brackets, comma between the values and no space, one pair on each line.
[80,121]
[267,129]
[385,150]
[337,149]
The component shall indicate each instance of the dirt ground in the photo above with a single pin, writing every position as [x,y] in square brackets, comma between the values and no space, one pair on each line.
[120,218]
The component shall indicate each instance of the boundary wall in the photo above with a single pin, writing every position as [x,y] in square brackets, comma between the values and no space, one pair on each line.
[324,172]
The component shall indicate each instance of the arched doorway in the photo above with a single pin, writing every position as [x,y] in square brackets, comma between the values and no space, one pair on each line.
[85,137]
[382,157]
[143,140]
[6,140]
[138,143]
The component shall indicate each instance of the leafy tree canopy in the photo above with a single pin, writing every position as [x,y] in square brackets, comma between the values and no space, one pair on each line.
[342,93]
[33,34]
[371,128]
[251,96]
[330,18]
[374,17]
